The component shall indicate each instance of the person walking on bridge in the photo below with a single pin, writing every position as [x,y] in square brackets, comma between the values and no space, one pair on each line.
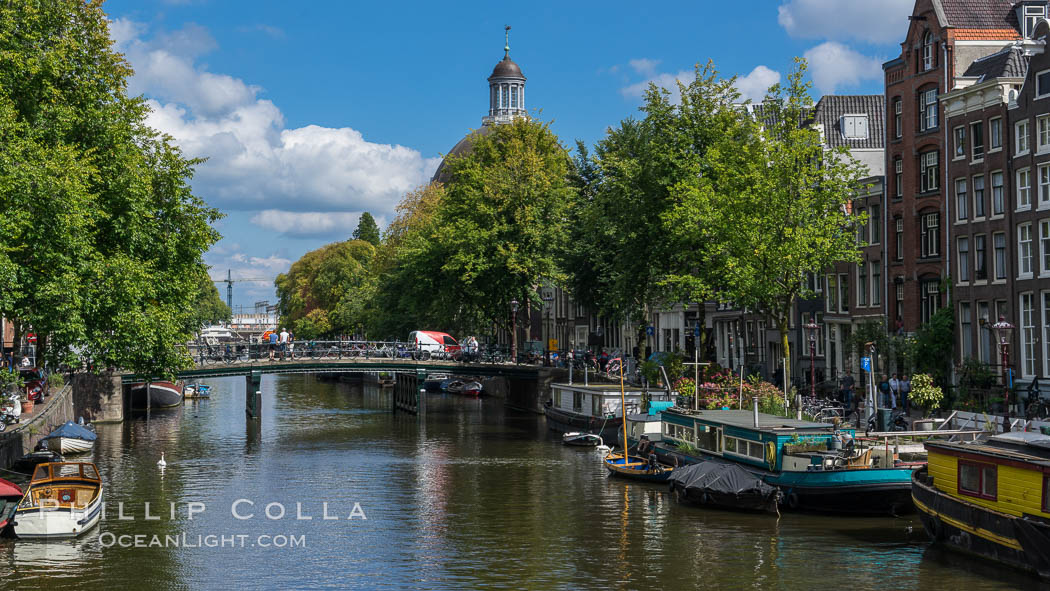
[282,343]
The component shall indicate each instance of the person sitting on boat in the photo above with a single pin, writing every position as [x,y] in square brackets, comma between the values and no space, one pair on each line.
[644,445]
[654,466]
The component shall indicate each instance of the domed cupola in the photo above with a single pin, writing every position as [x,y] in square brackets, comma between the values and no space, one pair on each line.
[506,89]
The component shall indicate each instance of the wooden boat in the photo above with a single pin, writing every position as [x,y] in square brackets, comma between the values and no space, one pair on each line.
[454,387]
[726,486]
[62,501]
[10,496]
[637,468]
[70,439]
[596,408]
[991,498]
[578,439]
[161,395]
[472,388]
[433,381]
[27,464]
[799,457]
[196,391]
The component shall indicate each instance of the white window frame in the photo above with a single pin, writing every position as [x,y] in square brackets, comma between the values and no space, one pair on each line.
[959,137]
[927,52]
[998,194]
[929,171]
[1021,143]
[977,133]
[1000,267]
[995,134]
[1044,247]
[898,119]
[898,179]
[1024,251]
[876,283]
[962,200]
[928,114]
[1023,190]
[930,234]
[1042,134]
[1026,330]
[1039,95]
[977,189]
[862,285]
[962,249]
[1044,298]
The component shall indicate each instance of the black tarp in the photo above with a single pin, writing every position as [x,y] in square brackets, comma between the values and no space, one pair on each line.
[719,478]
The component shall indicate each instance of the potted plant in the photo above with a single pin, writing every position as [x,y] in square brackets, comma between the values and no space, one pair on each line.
[925,394]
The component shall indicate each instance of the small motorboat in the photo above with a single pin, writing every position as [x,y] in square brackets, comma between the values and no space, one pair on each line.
[725,485]
[62,501]
[71,438]
[473,388]
[27,464]
[197,391]
[579,439]
[434,382]
[161,395]
[637,467]
[455,387]
[10,496]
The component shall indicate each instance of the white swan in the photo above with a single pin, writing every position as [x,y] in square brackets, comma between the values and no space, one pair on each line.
[161,461]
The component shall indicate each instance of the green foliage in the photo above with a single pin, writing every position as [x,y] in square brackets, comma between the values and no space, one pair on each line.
[871,331]
[327,290]
[367,229]
[208,308]
[650,370]
[924,392]
[769,206]
[10,381]
[56,382]
[100,236]
[932,347]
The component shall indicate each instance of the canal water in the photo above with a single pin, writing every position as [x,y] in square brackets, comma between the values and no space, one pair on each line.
[331,489]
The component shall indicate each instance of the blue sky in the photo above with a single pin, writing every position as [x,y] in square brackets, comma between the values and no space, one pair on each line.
[313,112]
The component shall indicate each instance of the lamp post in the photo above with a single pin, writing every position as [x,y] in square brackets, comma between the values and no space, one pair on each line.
[514,330]
[548,300]
[1002,334]
[812,327]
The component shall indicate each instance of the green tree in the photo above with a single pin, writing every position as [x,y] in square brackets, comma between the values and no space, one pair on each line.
[208,307]
[100,235]
[367,229]
[327,289]
[932,347]
[772,206]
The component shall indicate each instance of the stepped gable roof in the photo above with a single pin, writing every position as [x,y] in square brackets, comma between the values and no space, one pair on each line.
[982,19]
[831,108]
[1008,63]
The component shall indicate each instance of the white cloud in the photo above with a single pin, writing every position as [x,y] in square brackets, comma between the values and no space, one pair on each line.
[755,84]
[882,21]
[644,66]
[268,30]
[307,224]
[832,65]
[254,161]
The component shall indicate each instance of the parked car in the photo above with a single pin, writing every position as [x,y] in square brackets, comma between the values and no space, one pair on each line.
[438,344]
[36,383]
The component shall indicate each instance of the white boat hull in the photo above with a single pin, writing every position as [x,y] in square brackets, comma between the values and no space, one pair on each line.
[50,522]
[69,445]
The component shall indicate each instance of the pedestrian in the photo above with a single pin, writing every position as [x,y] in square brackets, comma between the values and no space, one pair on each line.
[895,389]
[291,346]
[282,343]
[884,392]
[272,339]
[846,383]
[905,390]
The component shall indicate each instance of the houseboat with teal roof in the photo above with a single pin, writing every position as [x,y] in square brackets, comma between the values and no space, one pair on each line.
[817,467]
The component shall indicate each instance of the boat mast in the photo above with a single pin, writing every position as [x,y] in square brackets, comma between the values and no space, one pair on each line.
[623,412]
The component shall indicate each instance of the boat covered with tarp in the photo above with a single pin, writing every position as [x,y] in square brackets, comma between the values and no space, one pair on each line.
[719,484]
[71,438]
[10,496]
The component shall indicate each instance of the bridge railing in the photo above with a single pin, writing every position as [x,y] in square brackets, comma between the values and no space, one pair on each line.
[205,353]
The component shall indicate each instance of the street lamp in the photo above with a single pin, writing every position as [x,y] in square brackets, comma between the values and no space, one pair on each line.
[548,300]
[1002,334]
[812,327]
[514,330]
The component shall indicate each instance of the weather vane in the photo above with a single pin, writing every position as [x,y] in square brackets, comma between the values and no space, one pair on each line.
[506,48]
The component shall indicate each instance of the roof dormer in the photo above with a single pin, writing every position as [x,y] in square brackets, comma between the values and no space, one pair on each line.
[1029,13]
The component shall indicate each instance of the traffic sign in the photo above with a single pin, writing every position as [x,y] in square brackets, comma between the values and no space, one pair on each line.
[696,330]
[865,363]
[31,337]
[650,330]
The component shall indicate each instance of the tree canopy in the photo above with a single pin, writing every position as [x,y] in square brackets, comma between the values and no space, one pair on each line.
[326,291]
[367,229]
[100,235]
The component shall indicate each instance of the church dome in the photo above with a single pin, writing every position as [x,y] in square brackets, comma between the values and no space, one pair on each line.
[462,148]
[506,68]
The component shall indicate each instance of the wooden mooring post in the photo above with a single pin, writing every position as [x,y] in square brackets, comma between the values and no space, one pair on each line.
[253,395]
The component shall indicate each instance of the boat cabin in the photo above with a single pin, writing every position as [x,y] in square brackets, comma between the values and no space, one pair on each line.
[602,400]
[63,485]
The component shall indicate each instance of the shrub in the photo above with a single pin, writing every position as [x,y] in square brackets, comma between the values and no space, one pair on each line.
[924,393]
[56,381]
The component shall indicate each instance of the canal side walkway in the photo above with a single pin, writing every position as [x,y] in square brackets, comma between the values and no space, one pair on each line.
[19,439]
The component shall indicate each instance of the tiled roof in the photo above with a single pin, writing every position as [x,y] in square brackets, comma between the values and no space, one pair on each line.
[981,14]
[986,34]
[1008,63]
[831,108]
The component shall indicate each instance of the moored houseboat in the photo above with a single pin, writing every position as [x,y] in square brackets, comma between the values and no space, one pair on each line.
[989,498]
[161,394]
[594,408]
[817,467]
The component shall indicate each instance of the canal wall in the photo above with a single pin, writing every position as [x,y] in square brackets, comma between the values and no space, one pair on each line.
[526,394]
[20,439]
[98,398]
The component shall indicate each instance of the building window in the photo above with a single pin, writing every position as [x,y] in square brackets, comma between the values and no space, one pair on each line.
[876,283]
[875,223]
[1027,335]
[514,97]
[962,201]
[977,139]
[928,109]
[960,142]
[898,293]
[1032,16]
[984,341]
[833,293]
[1044,185]
[995,133]
[980,258]
[1024,189]
[862,285]
[854,127]
[999,244]
[898,239]
[978,480]
[965,332]
[928,171]
[506,95]
[1024,249]
[930,234]
[898,107]
[1046,333]
[927,51]
[843,292]
[1042,84]
[931,298]
[898,180]
[998,204]
[1042,126]
[862,229]
[1044,247]
[978,196]
[963,246]
[1021,135]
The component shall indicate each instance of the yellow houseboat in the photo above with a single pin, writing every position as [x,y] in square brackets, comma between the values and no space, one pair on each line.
[989,498]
